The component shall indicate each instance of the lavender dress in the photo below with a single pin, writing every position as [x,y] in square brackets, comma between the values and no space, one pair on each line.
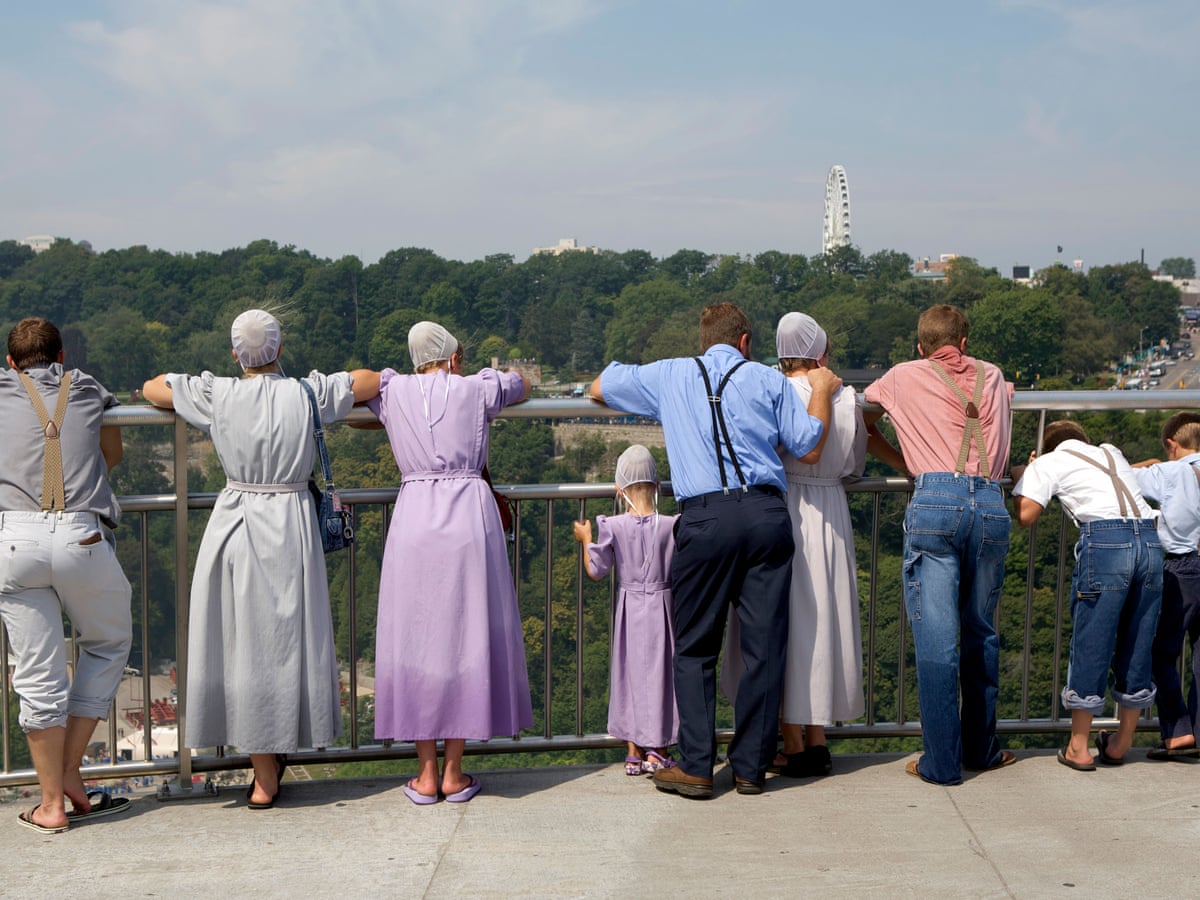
[449,651]
[641,694]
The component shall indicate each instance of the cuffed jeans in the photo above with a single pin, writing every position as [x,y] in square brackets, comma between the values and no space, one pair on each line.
[46,570]
[956,532]
[1116,593]
[733,549]
[1178,620]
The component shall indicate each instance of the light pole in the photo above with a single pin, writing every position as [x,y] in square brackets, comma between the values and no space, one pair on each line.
[1140,333]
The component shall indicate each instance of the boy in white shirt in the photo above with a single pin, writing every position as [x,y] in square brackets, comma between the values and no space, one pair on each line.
[1116,586]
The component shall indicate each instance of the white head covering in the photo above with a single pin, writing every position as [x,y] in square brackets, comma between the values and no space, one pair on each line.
[636,466]
[256,336]
[430,342]
[800,337]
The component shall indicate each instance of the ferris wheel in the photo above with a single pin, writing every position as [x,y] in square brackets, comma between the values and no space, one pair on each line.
[836,232]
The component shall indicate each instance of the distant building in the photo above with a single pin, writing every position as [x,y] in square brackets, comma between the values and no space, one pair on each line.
[530,368]
[37,242]
[934,270]
[564,245]
[1189,289]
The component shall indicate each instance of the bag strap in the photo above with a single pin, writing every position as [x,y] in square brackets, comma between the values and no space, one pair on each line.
[1121,489]
[319,435]
[718,421]
[53,492]
[973,430]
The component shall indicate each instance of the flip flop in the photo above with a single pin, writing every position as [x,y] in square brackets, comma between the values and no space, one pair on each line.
[103,805]
[1102,751]
[26,819]
[417,797]
[466,793]
[1070,764]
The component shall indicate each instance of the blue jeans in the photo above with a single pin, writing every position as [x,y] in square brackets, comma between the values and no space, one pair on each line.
[1116,593]
[955,540]
[1178,621]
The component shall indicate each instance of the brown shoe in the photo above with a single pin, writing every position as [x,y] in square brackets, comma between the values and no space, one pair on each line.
[680,782]
[742,786]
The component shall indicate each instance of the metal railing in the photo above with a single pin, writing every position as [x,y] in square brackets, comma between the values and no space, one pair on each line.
[889,671]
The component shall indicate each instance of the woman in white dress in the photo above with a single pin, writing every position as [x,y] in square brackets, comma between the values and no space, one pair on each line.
[823,681]
[823,675]
[262,675]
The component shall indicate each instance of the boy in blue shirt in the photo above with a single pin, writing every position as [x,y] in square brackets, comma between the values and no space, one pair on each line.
[1175,486]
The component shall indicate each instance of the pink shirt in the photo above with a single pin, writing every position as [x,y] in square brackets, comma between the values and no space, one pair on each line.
[929,419]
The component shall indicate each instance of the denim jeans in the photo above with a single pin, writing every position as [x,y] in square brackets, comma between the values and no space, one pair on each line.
[1116,593]
[956,533]
[1178,621]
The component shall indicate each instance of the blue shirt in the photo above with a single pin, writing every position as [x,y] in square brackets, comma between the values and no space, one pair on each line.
[1174,487]
[762,412]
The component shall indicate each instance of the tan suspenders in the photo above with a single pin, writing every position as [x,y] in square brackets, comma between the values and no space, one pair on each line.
[973,430]
[53,492]
[1125,501]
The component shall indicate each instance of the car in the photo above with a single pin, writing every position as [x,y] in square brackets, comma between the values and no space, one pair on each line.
[1153,382]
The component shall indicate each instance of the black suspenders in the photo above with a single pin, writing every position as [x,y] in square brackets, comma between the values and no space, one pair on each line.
[718,421]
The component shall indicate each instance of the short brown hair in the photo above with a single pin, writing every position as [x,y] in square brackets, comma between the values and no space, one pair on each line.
[1184,429]
[722,323]
[1062,430]
[941,326]
[34,342]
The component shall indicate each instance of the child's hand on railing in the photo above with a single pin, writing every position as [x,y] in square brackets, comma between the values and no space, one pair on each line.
[583,531]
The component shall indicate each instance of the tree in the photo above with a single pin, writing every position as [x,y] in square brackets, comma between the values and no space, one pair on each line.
[1018,329]
[389,342]
[1178,267]
[13,256]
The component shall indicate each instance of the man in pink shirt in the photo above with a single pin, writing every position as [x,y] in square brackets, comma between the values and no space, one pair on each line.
[952,416]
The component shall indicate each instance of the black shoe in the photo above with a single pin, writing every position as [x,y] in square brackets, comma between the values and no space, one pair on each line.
[810,763]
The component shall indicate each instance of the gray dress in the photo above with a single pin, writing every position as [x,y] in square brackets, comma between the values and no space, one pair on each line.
[262,676]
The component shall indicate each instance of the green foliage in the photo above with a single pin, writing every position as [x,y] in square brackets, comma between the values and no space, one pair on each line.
[1178,267]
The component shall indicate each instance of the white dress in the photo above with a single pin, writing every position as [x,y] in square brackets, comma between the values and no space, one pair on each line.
[262,676]
[823,681]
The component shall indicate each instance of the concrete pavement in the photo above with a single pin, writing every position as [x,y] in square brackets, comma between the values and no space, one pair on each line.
[1035,829]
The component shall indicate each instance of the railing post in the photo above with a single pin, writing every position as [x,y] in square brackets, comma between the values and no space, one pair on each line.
[182,604]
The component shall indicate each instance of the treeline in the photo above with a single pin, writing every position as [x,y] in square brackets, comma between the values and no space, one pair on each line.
[127,314]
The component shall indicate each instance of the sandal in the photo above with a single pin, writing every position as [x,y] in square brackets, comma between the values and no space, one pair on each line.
[634,765]
[656,761]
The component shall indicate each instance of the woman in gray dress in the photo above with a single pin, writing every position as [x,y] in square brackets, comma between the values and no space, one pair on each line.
[262,674]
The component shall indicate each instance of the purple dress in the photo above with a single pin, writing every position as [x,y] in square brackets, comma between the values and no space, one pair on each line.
[641,693]
[449,650]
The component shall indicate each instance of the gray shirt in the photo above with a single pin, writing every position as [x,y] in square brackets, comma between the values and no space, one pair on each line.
[85,473]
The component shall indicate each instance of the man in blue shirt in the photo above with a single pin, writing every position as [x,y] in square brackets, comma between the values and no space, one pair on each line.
[723,418]
[1175,486]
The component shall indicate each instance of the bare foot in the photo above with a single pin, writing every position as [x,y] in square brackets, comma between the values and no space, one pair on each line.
[40,815]
[76,791]
[1180,743]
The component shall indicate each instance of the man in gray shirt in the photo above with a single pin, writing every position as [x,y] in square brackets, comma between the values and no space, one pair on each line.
[57,555]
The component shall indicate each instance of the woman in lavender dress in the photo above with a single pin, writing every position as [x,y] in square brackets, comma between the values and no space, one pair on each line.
[641,695]
[450,653]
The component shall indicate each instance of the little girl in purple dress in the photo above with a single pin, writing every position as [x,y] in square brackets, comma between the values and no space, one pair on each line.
[641,701]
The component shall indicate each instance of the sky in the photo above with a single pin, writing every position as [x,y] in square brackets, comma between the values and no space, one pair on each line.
[996,129]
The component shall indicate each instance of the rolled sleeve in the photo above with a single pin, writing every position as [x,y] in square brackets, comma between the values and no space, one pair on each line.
[632,389]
